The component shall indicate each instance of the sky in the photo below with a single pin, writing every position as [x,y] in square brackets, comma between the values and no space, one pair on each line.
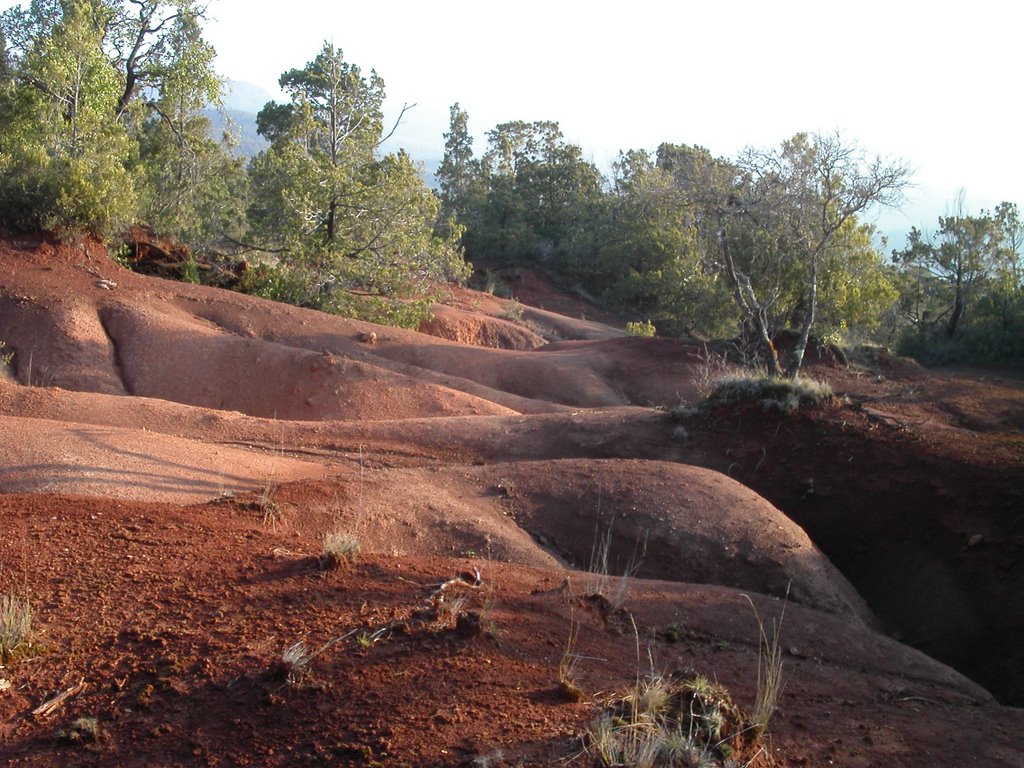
[935,84]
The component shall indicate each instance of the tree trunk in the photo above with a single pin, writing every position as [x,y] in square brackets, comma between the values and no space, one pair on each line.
[957,313]
[755,322]
[805,331]
[768,347]
[332,213]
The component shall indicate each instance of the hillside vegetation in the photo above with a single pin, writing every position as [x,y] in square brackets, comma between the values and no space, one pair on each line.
[103,125]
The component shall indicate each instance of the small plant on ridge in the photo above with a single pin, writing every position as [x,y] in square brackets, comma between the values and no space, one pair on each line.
[339,549]
[782,395]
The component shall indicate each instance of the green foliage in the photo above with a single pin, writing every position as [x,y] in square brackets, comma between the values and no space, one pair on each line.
[786,231]
[99,101]
[63,150]
[277,283]
[193,189]
[461,185]
[400,313]
[358,229]
[644,329]
[297,286]
[647,257]
[962,289]
[528,198]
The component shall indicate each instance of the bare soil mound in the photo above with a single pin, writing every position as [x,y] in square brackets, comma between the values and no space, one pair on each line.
[620,518]
[479,330]
[492,471]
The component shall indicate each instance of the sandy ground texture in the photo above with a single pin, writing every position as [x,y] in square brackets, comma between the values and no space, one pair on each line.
[173,457]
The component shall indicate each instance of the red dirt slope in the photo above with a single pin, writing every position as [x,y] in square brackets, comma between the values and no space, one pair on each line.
[442,458]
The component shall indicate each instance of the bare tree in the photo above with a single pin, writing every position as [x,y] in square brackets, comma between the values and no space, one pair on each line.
[787,210]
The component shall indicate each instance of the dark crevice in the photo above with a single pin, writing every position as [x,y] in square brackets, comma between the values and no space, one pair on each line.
[115,354]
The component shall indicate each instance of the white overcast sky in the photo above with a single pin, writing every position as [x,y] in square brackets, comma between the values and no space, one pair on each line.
[935,83]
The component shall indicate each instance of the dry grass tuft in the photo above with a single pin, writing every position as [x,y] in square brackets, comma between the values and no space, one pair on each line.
[293,664]
[600,581]
[15,625]
[782,395]
[339,550]
[567,685]
[665,722]
[769,670]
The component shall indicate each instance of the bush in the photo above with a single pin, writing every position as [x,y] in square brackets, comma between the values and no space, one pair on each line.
[645,329]
[782,395]
[664,722]
[982,343]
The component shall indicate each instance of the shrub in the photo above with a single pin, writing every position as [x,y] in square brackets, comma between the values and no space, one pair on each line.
[782,395]
[513,312]
[339,549]
[645,329]
[494,285]
[665,722]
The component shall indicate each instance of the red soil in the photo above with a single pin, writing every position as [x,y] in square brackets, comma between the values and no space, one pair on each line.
[172,469]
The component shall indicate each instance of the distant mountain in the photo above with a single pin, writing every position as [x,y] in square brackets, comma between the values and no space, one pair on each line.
[245,97]
[242,102]
[241,125]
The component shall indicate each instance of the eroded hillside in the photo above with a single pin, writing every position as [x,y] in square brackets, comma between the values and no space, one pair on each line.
[174,456]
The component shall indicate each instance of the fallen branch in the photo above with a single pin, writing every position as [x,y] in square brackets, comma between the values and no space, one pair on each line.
[465,579]
[50,706]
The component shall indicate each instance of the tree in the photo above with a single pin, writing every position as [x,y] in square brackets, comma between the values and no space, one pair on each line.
[459,176]
[539,194]
[967,275]
[193,189]
[63,152]
[964,254]
[647,262]
[91,81]
[327,205]
[789,213]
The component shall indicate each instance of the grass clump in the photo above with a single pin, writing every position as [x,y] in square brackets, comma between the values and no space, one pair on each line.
[293,664]
[567,685]
[600,582]
[15,625]
[769,670]
[85,730]
[6,360]
[674,723]
[339,550]
[782,395]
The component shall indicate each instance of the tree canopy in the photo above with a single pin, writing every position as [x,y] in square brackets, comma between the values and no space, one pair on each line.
[89,87]
[750,246]
[350,222]
[102,128]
